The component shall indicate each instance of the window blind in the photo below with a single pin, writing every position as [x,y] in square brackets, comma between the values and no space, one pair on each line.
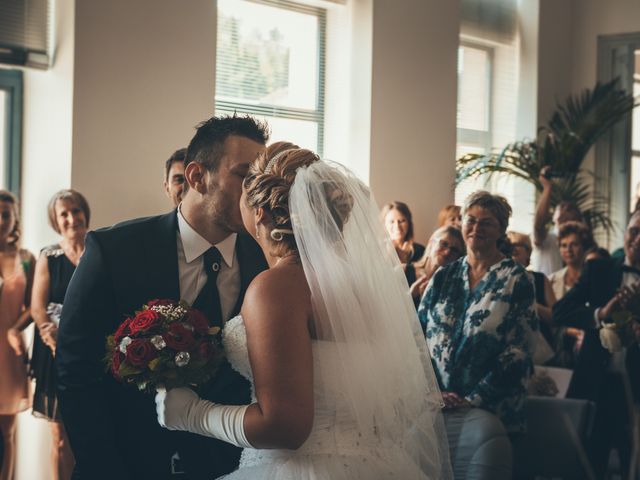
[270,62]
[24,32]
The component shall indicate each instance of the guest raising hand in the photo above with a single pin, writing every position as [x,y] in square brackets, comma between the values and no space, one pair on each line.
[16,276]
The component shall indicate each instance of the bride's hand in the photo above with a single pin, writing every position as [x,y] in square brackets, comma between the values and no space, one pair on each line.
[173,407]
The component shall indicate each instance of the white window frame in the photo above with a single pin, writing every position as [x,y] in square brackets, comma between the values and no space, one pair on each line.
[315,115]
[483,139]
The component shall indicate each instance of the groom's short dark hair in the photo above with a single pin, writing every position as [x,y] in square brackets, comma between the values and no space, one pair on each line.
[206,145]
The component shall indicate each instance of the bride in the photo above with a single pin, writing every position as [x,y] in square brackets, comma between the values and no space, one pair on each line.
[341,378]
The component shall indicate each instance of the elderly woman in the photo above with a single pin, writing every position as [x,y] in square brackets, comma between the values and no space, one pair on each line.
[399,224]
[574,239]
[479,319]
[446,245]
[69,215]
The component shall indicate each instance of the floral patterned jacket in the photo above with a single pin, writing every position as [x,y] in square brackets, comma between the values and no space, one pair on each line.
[481,341]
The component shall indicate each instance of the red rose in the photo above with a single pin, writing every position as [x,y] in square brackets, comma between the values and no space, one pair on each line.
[116,360]
[205,350]
[179,337]
[160,302]
[122,331]
[144,321]
[198,321]
[140,352]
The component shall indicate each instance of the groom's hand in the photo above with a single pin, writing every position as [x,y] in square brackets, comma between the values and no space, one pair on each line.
[174,406]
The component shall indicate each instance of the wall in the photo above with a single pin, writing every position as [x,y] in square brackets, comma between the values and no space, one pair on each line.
[46,168]
[555,57]
[46,143]
[569,31]
[413,106]
[144,77]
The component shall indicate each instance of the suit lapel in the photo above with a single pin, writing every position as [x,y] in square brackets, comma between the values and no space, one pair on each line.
[162,258]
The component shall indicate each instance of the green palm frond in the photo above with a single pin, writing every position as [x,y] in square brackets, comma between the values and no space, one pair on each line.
[562,144]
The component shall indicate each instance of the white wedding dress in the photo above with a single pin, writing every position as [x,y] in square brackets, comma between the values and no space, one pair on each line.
[335,449]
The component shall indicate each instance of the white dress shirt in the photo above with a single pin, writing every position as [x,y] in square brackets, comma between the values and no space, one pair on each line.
[191,246]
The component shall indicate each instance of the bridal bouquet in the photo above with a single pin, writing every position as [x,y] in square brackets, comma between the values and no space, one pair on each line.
[620,332]
[166,343]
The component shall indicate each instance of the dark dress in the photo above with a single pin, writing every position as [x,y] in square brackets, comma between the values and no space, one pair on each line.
[45,402]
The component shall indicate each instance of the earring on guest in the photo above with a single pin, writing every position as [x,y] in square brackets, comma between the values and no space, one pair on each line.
[257,232]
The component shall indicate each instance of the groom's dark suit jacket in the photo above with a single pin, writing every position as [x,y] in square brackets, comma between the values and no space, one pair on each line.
[112,427]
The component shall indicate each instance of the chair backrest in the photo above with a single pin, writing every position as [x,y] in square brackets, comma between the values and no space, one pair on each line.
[554,445]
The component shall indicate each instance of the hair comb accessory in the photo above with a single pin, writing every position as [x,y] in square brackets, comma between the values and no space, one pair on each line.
[277,234]
[269,166]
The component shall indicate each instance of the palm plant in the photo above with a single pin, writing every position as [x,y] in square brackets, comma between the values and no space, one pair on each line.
[562,145]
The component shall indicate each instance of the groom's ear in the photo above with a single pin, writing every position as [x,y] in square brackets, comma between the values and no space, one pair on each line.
[194,175]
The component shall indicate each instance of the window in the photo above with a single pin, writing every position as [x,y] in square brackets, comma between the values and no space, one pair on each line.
[474,99]
[487,108]
[10,129]
[270,64]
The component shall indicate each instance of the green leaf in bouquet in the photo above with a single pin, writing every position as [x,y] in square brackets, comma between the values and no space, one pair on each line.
[111,342]
[621,317]
[127,370]
[153,364]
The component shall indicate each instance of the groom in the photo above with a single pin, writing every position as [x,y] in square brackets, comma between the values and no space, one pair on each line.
[112,427]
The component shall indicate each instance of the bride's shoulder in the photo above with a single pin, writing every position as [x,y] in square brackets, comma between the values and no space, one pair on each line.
[277,288]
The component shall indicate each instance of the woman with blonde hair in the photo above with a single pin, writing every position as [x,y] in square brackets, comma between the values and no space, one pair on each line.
[16,277]
[446,245]
[69,216]
[450,215]
[331,309]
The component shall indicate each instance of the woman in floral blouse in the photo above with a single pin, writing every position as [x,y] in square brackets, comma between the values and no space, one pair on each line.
[478,317]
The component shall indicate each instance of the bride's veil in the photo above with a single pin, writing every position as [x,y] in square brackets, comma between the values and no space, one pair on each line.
[362,306]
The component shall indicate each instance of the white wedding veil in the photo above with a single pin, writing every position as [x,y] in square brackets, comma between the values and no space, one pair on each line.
[362,306]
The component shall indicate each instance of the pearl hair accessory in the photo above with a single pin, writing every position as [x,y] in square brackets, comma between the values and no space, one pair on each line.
[269,166]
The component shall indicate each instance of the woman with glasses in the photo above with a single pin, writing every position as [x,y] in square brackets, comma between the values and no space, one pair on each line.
[446,245]
[479,319]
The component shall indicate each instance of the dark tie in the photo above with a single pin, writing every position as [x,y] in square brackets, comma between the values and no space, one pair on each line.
[208,301]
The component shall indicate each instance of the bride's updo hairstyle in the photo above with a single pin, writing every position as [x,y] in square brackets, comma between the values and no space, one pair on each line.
[268,184]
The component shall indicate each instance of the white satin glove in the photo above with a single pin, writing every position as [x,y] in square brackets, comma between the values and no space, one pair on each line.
[182,409]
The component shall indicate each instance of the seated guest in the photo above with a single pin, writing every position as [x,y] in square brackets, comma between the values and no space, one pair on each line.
[450,215]
[479,319]
[574,239]
[605,286]
[397,220]
[174,176]
[446,245]
[521,249]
